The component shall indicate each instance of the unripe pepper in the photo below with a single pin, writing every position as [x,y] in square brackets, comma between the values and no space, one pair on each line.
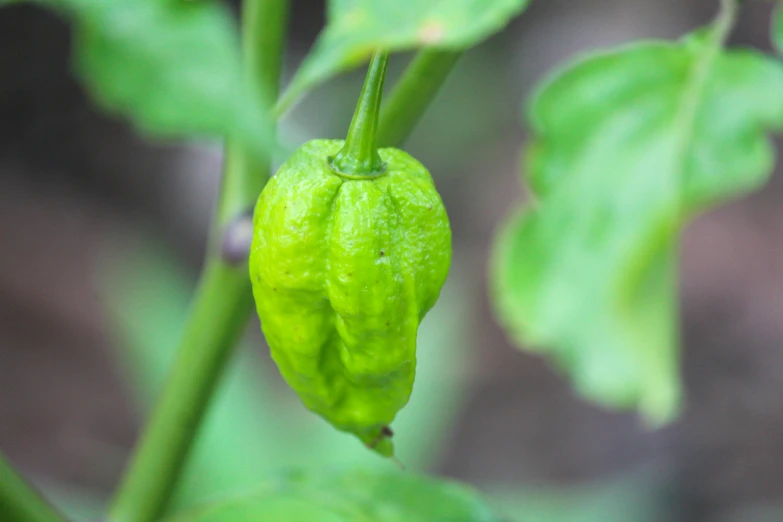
[351,247]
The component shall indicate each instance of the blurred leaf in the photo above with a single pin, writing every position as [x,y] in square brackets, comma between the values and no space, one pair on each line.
[358,495]
[355,28]
[627,146]
[634,497]
[172,66]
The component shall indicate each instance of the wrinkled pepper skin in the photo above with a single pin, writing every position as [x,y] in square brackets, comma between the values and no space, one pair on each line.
[343,271]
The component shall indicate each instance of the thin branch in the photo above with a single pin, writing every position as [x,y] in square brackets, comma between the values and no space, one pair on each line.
[413,93]
[222,303]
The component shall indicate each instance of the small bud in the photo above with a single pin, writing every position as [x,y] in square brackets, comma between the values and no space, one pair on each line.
[237,236]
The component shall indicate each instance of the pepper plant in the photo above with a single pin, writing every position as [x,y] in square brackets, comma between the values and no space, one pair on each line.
[351,242]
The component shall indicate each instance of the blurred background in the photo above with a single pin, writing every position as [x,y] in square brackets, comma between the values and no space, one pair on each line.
[102,234]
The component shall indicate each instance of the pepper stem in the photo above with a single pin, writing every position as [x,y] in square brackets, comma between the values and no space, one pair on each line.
[359,156]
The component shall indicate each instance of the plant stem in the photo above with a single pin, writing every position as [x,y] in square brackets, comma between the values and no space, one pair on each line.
[222,302]
[19,502]
[413,93]
[359,156]
[264,25]
[726,19]
[215,323]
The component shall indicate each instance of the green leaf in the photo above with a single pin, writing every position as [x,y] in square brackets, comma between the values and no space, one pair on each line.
[355,28]
[172,66]
[352,496]
[627,145]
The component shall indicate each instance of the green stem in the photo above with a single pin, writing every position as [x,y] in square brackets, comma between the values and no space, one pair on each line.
[359,156]
[264,25]
[726,19]
[221,306]
[19,502]
[216,321]
[413,93]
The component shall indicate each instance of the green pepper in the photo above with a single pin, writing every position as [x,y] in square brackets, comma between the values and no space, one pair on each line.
[350,250]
